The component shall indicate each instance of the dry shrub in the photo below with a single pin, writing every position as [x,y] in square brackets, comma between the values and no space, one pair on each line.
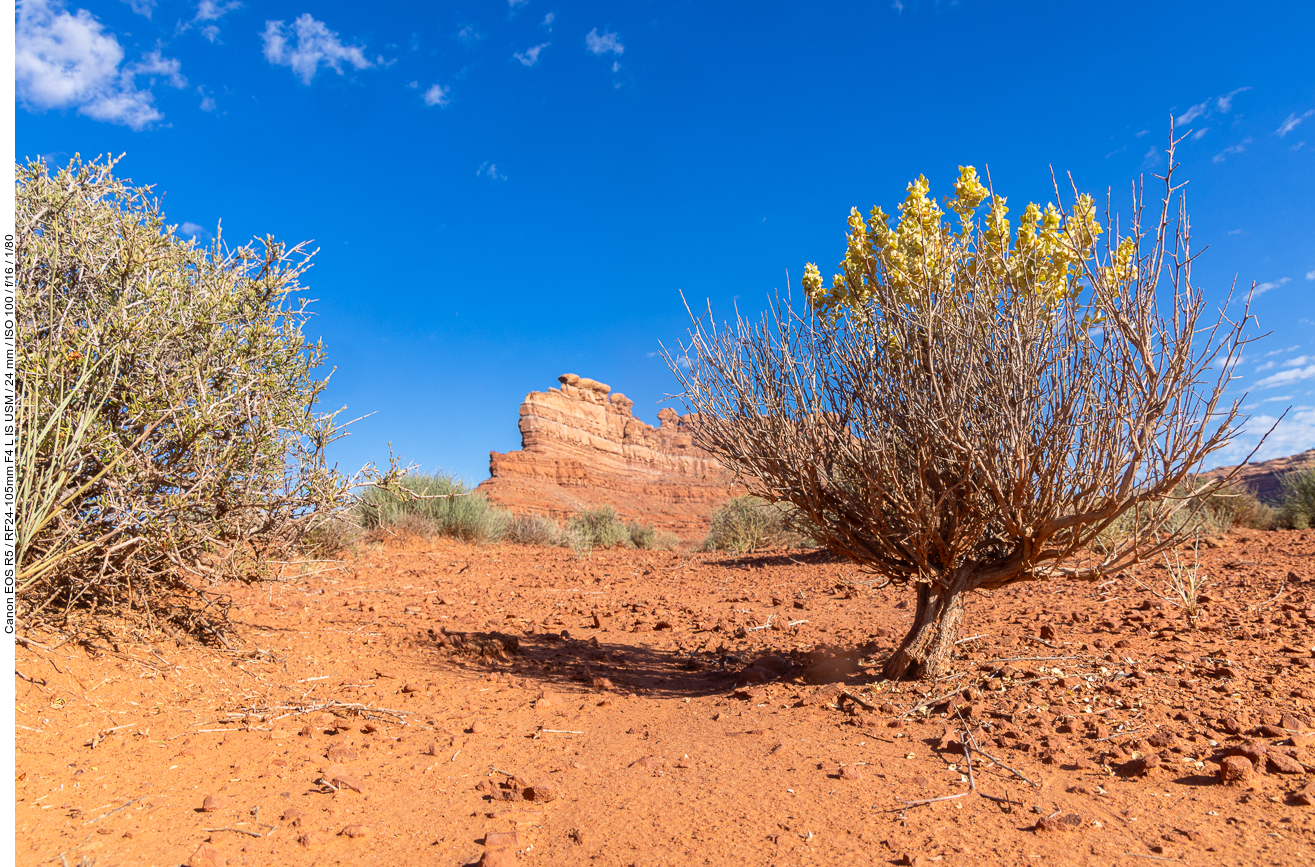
[750,523]
[434,505]
[167,423]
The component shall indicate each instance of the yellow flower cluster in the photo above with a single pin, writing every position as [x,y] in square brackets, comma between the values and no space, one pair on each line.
[922,258]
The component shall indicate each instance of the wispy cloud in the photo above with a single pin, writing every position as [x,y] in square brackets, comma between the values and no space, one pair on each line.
[207,101]
[1294,120]
[1222,104]
[491,171]
[470,34]
[548,20]
[209,10]
[516,4]
[1294,434]
[1231,150]
[1287,377]
[1268,365]
[141,7]
[530,56]
[1262,288]
[307,45]
[1151,158]
[438,95]
[1310,275]
[1200,133]
[71,61]
[1283,351]
[604,43]
[194,230]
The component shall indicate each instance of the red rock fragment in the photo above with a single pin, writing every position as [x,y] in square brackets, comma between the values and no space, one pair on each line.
[1283,764]
[214,803]
[501,840]
[206,856]
[354,831]
[313,838]
[851,772]
[1053,824]
[1236,770]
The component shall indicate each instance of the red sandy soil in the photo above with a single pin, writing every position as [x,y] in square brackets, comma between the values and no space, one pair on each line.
[641,716]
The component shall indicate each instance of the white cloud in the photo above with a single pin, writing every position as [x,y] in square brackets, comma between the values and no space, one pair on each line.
[1310,275]
[1200,133]
[897,5]
[470,34]
[1284,351]
[194,230]
[1229,151]
[548,20]
[516,4]
[207,104]
[70,61]
[141,7]
[1268,365]
[1293,435]
[531,55]
[438,95]
[604,43]
[491,171]
[1236,231]
[312,44]
[1151,158]
[1268,285]
[209,10]
[1222,104]
[1294,120]
[211,32]
[1299,361]
[1287,377]
[1225,102]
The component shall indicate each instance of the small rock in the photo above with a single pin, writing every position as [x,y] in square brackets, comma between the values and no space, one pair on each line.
[369,728]
[541,793]
[206,856]
[293,816]
[478,727]
[1305,797]
[410,687]
[851,772]
[214,803]
[431,750]
[354,831]
[603,683]
[341,753]
[502,840]
[498,858]
[313,838]
[1291,723]
[343,780]
[1281,764]
[649,762]
[1052,824]
[1271,731]
[1047,632]
[1235,770]
[1141,767]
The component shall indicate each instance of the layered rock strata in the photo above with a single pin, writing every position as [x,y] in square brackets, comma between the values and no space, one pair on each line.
[582,447]
[1265,477]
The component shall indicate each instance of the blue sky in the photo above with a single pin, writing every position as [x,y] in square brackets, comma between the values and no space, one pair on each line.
[502,192]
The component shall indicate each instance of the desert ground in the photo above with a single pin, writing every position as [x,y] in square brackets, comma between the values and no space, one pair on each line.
[433,703]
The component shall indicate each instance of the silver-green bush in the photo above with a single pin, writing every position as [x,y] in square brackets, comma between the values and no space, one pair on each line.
[434,505]
[168,428]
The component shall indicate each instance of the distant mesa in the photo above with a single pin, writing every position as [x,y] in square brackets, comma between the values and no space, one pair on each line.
[1265,478]
[582,447]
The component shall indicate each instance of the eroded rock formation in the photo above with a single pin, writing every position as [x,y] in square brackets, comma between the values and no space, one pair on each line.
[1265,477]
[582,447]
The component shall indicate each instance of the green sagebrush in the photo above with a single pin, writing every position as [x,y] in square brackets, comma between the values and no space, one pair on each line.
[168,435]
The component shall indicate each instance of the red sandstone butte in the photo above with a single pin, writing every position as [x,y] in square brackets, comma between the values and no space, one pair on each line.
[1265,478]
[582,447]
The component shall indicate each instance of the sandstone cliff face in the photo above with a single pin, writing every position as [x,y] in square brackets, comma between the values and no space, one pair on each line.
[1264,478]
[582,447]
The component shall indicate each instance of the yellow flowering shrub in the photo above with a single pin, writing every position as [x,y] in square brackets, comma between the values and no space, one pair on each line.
[925,258]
